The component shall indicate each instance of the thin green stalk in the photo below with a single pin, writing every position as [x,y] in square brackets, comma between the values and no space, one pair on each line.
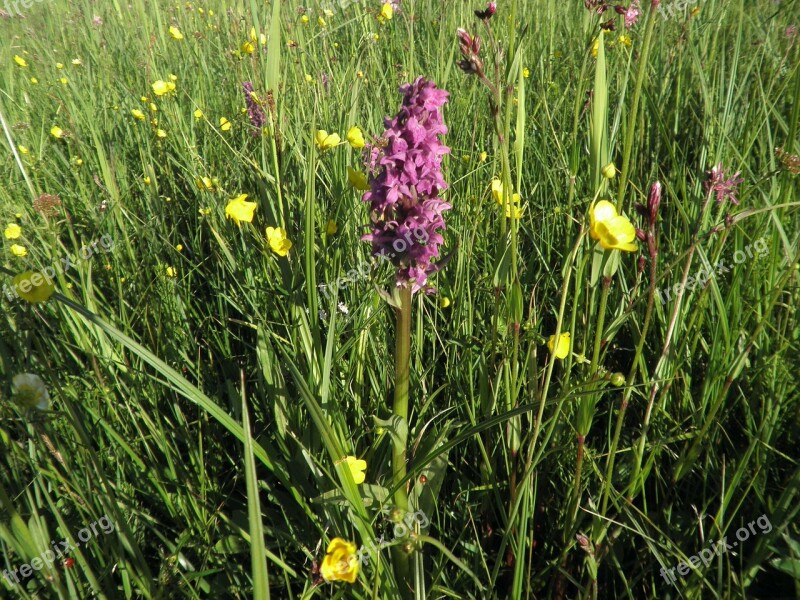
[637,358]
[399,441]
[665,350]
[634,110]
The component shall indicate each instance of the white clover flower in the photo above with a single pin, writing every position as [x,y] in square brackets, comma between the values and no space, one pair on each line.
[29,391]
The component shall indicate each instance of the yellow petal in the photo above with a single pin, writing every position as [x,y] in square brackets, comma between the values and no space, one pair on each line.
[13,231]
[240,210]
[357,179]
[356,138]
[563,345]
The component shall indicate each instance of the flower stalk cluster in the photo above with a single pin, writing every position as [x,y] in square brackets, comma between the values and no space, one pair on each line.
[406,183]
[257,117]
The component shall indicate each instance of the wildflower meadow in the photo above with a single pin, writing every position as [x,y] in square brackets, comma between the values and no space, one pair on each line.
[416,299]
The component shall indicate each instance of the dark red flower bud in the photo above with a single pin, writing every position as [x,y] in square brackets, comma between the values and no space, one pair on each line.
[491,8]
[654,201]
[640,234]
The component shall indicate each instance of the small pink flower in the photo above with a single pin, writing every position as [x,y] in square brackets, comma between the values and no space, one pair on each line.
[97,21]
[632,13]
[723,188]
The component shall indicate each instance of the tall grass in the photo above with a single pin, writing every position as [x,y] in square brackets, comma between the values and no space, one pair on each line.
[205,390]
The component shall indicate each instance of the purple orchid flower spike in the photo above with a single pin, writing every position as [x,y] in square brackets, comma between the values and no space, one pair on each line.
[406,210]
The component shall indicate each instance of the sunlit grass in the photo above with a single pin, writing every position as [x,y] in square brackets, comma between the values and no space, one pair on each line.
[209,375]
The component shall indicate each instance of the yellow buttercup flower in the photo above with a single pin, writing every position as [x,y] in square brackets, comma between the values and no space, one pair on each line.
[171,272]
[34,81]
[153,107]
[340,562]
[483,156]
[331,227]
[262,39]
[64,81]
[613,231]
[137,114]
[357,179]
[146,180]
[356,138]
[20,61]
[304,19]
[198,114]
[624,40]
[357,469]
[321,22]
[278,242]
[33,287]
[497,192]
[248,47]
[179,247]
[59,65]
[595,47]
[564,345]
[513,207]
[240,210]
[13,231]
[162,87]
[386,12]
[526,72]
[444,302]
[57,132]
[175,33]
[18,250]
[161,133]
[204,212]
[224,124]
[77,62]
[517,211]
[326,141]
[23,150]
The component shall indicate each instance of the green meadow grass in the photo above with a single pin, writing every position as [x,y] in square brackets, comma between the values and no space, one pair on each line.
[203,398]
